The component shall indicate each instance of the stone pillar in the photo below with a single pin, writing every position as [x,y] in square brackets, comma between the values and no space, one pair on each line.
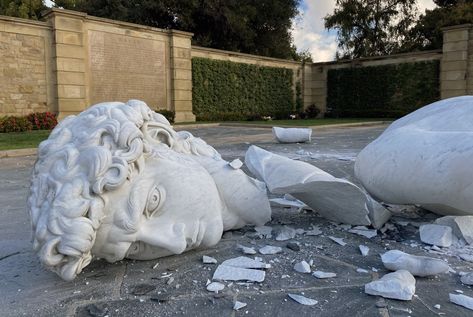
[181,76]
[69,60]
[315,90]
[455,64]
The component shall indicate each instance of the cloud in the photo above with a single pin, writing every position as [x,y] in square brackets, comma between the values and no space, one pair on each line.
[309,32]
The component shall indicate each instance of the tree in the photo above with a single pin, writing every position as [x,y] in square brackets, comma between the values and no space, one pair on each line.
[427,33]
[27,9]
[257,27]
[371,27]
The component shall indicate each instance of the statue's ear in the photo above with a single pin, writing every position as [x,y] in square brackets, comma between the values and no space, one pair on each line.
[159,133]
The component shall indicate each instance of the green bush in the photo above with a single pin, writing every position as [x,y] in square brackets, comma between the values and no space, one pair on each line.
[382,91]
[168,114]
[311,112]
[42,120]
[223,90]
[15,124]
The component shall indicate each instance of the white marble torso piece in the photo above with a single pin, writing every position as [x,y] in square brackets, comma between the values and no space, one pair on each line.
[424,158]
[117,181]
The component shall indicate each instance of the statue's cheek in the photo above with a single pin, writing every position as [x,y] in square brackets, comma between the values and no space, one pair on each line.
[167,235]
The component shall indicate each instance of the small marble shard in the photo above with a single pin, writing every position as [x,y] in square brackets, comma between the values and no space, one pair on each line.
[315,231]
[246,263]
[467,279]
[286,233]
[364,250]
[466,257]
[395,260]
[238,305]
[215,287]
[322,275]
[269,249]
[303,300]
[292,135]
[462,300]
[360,270]
[302,267]
[246,250]
[363,231]
[264,231]
[436,235]
[230,273]
[236,164]
[338,240]
[208,260]
[288,203]
[397,285]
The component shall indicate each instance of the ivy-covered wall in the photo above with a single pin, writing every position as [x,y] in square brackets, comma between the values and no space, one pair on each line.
[382,91]
[223,90]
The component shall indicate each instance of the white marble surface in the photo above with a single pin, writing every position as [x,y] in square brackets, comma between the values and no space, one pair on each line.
[117,181]
[424,158]
[334,198]
[292,135]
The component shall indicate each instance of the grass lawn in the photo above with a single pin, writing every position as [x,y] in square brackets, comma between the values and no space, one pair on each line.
[22,140]
[312,122]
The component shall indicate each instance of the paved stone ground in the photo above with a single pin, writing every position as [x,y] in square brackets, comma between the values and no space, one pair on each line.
[134,288]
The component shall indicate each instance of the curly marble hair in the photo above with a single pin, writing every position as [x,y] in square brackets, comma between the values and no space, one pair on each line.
[85,156]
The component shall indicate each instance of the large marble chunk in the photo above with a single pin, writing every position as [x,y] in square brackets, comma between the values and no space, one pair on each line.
[292,135]
[424,158]
[416,265]
[116,181]
[397,285]
[334,198]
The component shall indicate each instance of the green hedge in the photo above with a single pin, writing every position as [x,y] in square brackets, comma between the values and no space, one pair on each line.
[224,90]
[382,91]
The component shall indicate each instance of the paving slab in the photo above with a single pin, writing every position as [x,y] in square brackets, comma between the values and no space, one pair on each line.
[175,285]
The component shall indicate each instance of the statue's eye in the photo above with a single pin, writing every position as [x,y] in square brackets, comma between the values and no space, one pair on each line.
[156,198]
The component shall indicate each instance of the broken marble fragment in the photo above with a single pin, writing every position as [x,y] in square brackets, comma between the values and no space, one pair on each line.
[322,275]
[417,265]
[288,203]
[378,214]
[246,250]
[292,135]
[360,270]
[269,249]
[238,305]
[333,198]
[429,153]
[363,231]
[449,221]
[302,267]
[230,273]
[466,257]
[246,263]
[315,231]
[303,300]
[364,250]
[436,235]
[286,233]
[467,279]
[462,300]
[236,164]
[215,287]
[208,260]
[397,285]
[338,241]
[465,225]
[294,246]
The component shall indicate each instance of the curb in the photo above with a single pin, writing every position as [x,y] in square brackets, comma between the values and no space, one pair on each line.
[18,152]
[196,125]
[318,127]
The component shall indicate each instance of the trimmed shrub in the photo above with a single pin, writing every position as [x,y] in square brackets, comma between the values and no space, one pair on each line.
[15,124]
[311,112]
[42,120]
[223,90]
[382,91]
[168,114]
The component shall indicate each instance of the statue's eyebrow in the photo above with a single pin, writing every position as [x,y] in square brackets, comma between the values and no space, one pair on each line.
[136,203]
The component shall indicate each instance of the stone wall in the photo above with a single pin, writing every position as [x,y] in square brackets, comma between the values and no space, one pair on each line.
[73,60]
[26,71]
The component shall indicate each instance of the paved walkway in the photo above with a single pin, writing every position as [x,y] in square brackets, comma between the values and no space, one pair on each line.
[135,288]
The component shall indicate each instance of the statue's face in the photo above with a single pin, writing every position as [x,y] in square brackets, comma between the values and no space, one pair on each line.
[172,206]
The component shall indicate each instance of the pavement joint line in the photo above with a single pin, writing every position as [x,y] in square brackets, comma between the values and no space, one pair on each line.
[9,255]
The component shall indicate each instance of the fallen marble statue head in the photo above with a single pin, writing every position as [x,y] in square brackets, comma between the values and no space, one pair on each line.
[116,181]
[424,159]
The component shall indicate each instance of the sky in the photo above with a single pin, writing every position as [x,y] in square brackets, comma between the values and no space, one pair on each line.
[309,32]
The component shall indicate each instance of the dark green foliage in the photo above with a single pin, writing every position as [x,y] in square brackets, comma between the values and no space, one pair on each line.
[260,27]
[224,90]
[27,9]
[299,100]
[382,91]
[168,114]
[311,112]
[15,124]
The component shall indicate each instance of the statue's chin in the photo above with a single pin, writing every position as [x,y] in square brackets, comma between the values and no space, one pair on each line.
[142,251]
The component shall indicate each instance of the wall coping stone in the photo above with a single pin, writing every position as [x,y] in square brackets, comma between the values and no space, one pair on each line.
[25,21]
